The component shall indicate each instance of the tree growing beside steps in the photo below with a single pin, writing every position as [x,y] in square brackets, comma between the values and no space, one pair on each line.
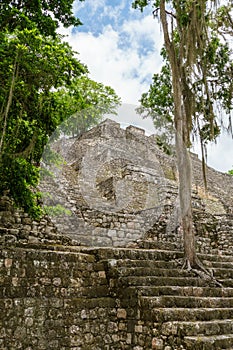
[194,89]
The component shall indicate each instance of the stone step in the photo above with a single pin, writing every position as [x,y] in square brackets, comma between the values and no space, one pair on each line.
[184,291]
[176,301]
[149,244]
[195,328]
[148,271]
[186,314]
[172,264]
[161,281]
[216,258]
[175,272]
[103,253]
[226,282]
[223,273]
[132,276]
[218,264]
[213,342]
[176,263]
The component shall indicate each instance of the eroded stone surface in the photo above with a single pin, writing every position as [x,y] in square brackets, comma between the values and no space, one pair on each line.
[57,294]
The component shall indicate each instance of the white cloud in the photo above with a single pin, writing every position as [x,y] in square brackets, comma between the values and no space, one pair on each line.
[93,6]
[126,57]
[115,58]
[146,28]
[114,12]
[127,115]
[220,155]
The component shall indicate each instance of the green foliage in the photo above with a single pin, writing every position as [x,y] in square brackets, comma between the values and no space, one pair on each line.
[157,103]
[18,177]
[206,74]
[141,4]
[57,210]
[41,64]
[40,86]
[158,100]
[83,104]
[230,172]
[31,65]
[45,14]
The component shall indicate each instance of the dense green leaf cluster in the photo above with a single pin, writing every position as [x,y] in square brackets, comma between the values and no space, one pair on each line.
[46,14]
[31,65]
[42,83]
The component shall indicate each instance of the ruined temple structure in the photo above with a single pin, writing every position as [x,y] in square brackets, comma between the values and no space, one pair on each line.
[121,190]
[106,271]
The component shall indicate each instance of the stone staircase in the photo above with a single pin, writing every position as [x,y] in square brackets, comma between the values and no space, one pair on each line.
[176,309]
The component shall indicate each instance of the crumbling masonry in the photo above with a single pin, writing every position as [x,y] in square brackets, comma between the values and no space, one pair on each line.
[106,273]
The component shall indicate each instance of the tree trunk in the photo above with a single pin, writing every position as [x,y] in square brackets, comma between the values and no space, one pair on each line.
[9,101]
[183,125]
[182,141]
[185,196]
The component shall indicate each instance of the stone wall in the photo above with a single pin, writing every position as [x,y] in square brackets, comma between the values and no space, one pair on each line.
[111,183]
[16,227]
[88,298]
[62,299]
[55,300]
[121,189]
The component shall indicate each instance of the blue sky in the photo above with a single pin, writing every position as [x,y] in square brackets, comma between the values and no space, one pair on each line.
[95,15]
[121,47]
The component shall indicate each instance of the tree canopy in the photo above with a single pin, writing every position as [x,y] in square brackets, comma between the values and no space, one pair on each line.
[83,104]
[45,14]
[41,84]
[204,57]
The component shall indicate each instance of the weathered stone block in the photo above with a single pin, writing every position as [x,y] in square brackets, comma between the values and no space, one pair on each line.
[157,344]
[121,313]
